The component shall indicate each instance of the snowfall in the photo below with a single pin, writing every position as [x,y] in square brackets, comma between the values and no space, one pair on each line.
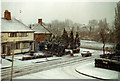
[70,71]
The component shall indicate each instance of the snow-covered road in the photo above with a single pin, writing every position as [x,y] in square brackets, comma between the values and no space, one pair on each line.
[66,72]
[69,72]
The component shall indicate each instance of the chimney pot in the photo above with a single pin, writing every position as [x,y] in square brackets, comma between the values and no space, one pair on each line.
[40,21]
[7,15]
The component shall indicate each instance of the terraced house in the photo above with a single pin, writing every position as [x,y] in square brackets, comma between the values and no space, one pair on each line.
[16,37]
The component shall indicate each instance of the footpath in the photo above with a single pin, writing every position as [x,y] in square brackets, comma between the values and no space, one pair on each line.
[90,70]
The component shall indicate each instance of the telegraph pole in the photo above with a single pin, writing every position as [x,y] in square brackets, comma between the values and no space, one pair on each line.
[12,60]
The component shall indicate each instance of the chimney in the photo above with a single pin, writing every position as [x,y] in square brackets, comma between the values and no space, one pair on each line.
[40,21]
[7,15]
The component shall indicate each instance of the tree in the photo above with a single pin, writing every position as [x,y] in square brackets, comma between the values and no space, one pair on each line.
[77,40]
[71,39]
[65,34]
[92,24]
[103,32]
[117,22]
[117,28]
[65,37]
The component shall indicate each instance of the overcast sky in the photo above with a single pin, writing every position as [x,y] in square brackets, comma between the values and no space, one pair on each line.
[80,12]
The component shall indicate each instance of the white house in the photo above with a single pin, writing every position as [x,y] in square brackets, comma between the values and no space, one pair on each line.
[16,37]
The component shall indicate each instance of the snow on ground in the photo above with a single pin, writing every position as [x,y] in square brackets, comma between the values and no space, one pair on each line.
[94,52]
[88,41]
[90,69]
[39,53]
[56,73]
[94,44]
[5,63]
[17,62]
[67,72]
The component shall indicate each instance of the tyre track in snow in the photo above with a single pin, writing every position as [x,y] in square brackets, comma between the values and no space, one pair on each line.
[37,67]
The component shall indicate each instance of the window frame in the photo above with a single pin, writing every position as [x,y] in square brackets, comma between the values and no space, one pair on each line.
[15,34]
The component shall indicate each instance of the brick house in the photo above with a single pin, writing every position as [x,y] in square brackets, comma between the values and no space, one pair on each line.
[41,32]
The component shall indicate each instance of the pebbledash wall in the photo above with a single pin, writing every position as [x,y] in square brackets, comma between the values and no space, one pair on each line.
[15,36]
[6,35]
[16,44]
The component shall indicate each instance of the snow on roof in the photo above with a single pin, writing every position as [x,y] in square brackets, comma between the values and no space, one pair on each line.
[38,28]
[13,25]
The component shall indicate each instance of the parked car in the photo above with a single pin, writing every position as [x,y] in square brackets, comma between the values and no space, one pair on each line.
[76,50]
[86,54]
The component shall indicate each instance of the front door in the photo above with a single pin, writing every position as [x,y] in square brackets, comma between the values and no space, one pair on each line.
[30,46]
[8,50]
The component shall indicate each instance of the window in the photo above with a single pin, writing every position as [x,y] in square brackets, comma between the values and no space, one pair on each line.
[23,34]
[3,49]
[17,46]
[26,45]
[13,34]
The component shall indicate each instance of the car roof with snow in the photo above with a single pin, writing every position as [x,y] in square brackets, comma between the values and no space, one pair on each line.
[13,25]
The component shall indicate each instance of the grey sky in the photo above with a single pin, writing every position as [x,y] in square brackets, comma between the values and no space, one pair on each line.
[79,12]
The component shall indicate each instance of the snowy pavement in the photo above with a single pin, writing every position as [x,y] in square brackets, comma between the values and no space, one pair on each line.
[17,62]
[89,69]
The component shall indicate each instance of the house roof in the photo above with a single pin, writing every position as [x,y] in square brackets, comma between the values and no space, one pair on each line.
[13,25]
[38,28]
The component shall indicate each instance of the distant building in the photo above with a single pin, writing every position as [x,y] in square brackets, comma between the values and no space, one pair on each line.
[41,32]
[15,36]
